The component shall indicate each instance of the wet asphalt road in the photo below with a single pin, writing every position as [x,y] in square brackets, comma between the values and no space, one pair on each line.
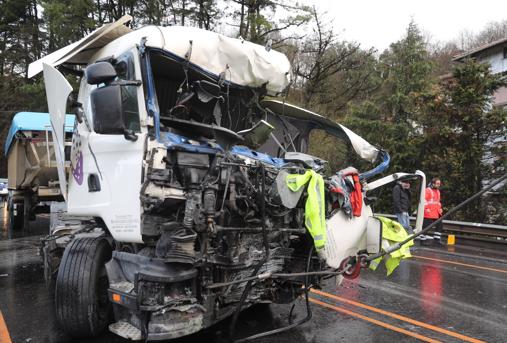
[447,294]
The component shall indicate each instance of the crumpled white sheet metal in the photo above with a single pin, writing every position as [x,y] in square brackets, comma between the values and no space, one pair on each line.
[244,63]
[57,92]
[364,149]
[360,145]
[81,51]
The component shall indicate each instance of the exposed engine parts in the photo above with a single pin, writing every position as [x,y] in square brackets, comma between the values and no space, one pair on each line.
[211,218]
[200,196]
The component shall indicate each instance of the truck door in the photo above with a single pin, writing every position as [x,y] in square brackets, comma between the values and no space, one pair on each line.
[58,90]
[107,154]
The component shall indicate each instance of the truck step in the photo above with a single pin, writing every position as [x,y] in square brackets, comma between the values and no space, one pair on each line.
[126,330]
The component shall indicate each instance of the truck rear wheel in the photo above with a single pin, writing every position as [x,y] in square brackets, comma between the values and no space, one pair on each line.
[81,301]
[27,204]
[15,215]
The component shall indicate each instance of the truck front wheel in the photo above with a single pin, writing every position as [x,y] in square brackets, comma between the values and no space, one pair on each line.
[82,305]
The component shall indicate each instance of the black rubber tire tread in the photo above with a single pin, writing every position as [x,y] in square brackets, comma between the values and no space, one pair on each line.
[26,214]
[76,294]
[15,222]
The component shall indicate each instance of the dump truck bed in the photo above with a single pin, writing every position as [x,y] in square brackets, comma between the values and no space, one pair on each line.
[29,150]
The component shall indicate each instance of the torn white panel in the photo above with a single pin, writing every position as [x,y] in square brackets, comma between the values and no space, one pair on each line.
[248,64]
[241,62]
[360,145]
[57,92]
[81,51]
[345,236]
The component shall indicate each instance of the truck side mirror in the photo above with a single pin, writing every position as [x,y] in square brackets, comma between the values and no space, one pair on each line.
[100,72]
[107,108]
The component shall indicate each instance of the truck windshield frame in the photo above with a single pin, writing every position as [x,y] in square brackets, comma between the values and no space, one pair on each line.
[125,68]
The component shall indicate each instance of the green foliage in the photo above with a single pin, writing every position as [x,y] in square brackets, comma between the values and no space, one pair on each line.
[460,127]
[396,100]
[406,69]
[388,116]
[255,19]
[73,15]
[331,73]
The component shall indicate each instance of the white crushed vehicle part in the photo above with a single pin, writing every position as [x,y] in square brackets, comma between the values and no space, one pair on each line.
[126,330]
[240,62]
[80,52]
[57,92]
[364,149]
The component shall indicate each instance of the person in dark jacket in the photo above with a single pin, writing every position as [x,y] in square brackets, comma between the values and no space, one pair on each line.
[401,204]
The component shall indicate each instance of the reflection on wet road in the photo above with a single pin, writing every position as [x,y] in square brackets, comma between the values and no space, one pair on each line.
[438,296]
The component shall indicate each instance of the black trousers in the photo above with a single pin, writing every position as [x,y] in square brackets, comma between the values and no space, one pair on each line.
[437,230]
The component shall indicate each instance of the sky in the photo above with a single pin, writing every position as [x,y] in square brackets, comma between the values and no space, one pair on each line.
[379,23]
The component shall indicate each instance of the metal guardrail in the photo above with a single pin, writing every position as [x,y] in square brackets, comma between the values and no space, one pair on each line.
[471,231]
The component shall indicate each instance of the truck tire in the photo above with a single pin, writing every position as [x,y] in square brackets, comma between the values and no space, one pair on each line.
[81,300]
[15,216]
[27,204]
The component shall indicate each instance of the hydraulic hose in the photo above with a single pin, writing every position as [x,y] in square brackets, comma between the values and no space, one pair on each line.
[264,276]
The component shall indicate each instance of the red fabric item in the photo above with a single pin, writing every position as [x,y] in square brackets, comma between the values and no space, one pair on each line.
[336,204]
[432,207]
[356,197]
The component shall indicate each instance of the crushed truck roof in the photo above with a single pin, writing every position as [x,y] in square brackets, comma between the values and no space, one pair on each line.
[242,63]
[360,145]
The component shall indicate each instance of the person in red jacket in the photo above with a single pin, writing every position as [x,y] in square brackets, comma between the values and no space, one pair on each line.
[433,208]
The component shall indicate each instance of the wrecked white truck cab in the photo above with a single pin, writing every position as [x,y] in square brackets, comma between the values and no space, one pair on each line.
[200,197]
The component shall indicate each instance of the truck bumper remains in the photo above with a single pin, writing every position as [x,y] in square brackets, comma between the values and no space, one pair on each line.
[152,299]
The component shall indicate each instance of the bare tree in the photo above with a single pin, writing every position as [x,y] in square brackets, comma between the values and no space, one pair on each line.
[256,21]
[493,31]
[329,71]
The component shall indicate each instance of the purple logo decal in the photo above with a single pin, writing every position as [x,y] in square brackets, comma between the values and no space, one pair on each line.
[76,158]
[77,169]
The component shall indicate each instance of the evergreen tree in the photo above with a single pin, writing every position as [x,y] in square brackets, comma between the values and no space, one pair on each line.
[407,71]
[460,127]
[390,116]
[67,21]
[255,19]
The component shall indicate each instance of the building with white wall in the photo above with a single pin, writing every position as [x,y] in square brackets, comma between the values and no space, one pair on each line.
[495,54]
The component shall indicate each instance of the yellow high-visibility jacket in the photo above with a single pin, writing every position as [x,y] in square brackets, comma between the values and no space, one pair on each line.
[315,207]
[392,232]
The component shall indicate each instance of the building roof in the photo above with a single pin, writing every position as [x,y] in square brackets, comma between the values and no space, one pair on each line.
[481,48]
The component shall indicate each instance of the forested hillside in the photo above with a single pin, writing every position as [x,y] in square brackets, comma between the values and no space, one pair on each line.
[429,113]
